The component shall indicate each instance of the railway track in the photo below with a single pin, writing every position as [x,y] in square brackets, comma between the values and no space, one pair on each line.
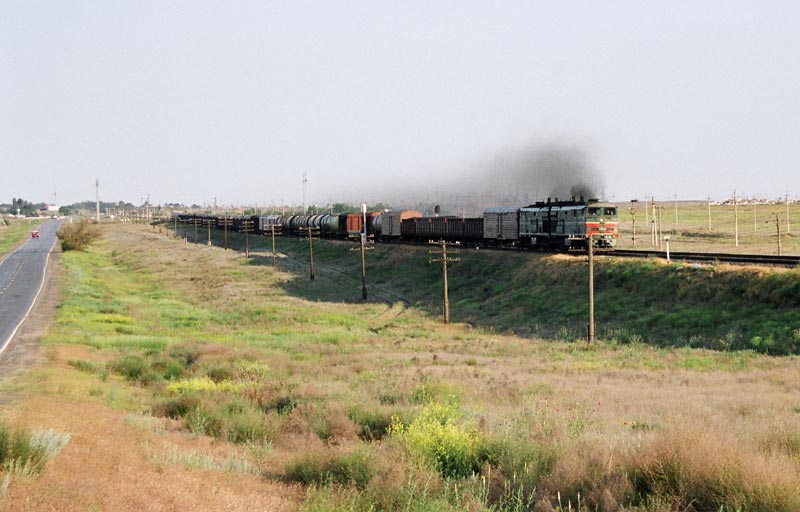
[739,259]
[704,257]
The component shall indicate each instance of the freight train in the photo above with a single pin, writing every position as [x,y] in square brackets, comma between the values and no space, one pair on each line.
[547,225]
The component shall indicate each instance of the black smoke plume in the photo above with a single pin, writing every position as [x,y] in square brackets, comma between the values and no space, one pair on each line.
[512,177]
[541,171]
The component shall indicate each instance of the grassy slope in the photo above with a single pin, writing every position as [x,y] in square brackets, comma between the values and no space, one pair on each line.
[531,294]
[299,391]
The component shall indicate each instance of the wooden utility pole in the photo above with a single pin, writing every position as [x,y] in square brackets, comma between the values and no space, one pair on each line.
[777,222]
[311,232]
[365,243]
[591,326]
[274,228]
[225,223]
[735,220]
[444,258]
[247,226]
[653,224]
[788,226]
[675,229]
[209,222]
[97,199]
[633,220]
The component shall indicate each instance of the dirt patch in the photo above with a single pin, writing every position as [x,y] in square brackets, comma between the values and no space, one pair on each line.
[106,466]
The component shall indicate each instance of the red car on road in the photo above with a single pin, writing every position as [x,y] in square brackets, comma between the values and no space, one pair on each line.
[35,233]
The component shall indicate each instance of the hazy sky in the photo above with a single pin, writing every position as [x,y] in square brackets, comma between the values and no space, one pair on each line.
[194,100]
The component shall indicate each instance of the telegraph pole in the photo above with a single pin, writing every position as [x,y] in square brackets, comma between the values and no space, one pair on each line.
[273,227]
[675,230]
[247,226]
[444,259]
[633,220]
[653,224]
[591,326]
[735,220]
[311,232]
[365,244]
[97,199]
[777,222]
[225,223]
[788,226]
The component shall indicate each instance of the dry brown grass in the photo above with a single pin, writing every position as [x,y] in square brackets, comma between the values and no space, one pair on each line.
[687,430]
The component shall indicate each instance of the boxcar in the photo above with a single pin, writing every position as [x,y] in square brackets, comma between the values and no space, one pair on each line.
[501,223]
[391,222]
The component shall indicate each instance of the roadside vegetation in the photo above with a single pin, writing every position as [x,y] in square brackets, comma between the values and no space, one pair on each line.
[12,232]
[377,406]
[78,235]
[26,453]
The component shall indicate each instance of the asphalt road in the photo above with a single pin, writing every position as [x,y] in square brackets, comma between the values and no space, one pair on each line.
[22,275]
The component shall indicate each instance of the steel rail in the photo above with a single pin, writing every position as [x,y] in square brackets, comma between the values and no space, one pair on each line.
[740,259]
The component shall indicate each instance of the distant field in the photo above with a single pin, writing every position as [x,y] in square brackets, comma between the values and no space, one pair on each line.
[691,232]
[190,379]
[14,232]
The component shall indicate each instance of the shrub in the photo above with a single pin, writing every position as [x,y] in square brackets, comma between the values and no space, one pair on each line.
[77,236]
[455,450]
[177,407]
[131,366]
[325,468]
[374,424]
[26,453]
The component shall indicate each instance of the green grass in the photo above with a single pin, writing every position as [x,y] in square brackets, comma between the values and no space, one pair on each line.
[374,406]
[12,234]
[635,301]
[691,232]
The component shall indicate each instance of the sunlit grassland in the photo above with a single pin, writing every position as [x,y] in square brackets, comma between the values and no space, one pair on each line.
[691,232]
[377,406]
[636,301]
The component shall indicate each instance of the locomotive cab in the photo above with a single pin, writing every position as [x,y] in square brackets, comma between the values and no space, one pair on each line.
[601,225]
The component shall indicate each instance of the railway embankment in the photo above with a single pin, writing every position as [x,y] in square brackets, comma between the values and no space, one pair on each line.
[722,307]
